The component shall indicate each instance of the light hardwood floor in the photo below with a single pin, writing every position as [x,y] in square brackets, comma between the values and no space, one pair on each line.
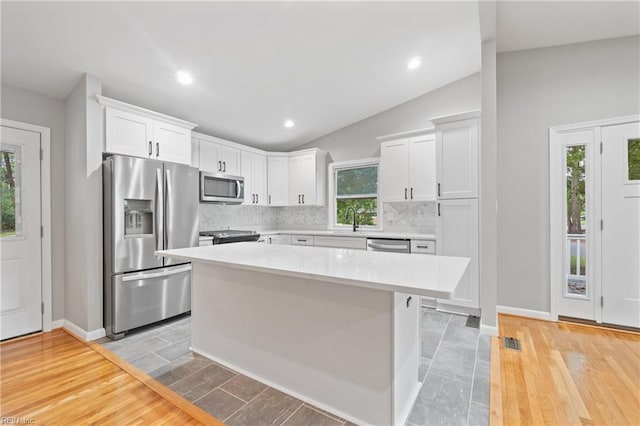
[54,378]
[565,374]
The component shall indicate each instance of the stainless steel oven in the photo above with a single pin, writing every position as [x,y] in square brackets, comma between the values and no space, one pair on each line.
[221,188]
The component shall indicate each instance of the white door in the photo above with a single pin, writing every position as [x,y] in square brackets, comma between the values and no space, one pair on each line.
[20,243]
[457,235]
[422,168]
[259,176]
[296,172]
[394,173]
[621,224]
[457,160]
[230,158]
[278,180]
[172,143]
[129,134]
[307,177]
[209,161]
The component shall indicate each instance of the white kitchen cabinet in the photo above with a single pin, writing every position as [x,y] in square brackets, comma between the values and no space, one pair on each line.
[135,131]
[457,235]
[279,239]
[457,159]
[407,168]
[307,177]
[423,246]
[302,240]
[254,170]
[356,243]
[278,179]
[217,157]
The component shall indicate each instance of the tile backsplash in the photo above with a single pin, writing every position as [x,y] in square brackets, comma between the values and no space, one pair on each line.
[398,217]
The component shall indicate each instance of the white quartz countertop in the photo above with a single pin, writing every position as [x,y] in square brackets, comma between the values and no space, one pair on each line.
[359,233]
[431,276]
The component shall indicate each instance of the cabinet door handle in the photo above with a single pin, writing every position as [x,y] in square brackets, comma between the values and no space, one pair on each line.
[269,240]
[299,199]
[302,198]
[253,198]
[422,247]
[408,301]
[219,166]
[405,193]
[157,149]
[269,198]
[224,166]
[438,209]
[257,198]
[150,148]
[412,193]
[438,189]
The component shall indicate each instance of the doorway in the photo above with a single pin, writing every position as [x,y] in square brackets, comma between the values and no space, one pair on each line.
[25,285]
[595,221]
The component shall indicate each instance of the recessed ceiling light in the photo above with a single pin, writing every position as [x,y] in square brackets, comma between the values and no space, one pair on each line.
[184,77]
[414,63]
[289,123]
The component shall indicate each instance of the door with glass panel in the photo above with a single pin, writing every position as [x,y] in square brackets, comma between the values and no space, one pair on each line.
[20,242]
[621,224]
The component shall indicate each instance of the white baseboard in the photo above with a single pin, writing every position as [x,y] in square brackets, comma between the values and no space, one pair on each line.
[57,324]
[87,336]
[278,387]
[529,313]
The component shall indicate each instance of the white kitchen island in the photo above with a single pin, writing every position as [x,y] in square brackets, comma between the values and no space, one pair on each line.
[337,328]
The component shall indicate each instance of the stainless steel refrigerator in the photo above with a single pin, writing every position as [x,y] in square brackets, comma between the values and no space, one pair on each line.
[148,205]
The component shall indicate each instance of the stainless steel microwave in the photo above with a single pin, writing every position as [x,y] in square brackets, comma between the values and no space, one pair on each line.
[221,188]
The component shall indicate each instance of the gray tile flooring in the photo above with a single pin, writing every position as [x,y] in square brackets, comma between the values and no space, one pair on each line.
[454,370]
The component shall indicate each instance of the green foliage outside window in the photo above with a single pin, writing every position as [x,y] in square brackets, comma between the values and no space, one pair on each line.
[576,177]
[633,150]
[357,188]
[7,194]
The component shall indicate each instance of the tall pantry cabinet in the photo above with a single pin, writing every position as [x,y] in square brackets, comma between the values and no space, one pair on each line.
[457,182]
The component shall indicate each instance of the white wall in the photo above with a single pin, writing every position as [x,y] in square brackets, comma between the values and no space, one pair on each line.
[359,139]
[83,213]
[537,89]
[33,108]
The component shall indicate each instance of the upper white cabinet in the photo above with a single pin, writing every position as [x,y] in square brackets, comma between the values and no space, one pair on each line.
[218,156]
[307,177]
[254,170]
[278,179]
[407,168]
[130,130]
[457,159]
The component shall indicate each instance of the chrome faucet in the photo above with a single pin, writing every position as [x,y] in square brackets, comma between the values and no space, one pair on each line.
[355,222]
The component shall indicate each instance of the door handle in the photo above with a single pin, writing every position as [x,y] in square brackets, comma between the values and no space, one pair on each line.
[219,166]
[257,198]
[438,189]
[269,198]
[148,275]
[253,198]
[299,199]
[412,193]
[167,211]
[157,149]
[302,198]
[405,193]
[269,240]
[224,166]
[159,220]
[408,301]
[150,148]
[438,209]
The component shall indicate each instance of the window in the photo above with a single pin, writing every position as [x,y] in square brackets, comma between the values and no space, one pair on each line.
[633,159]
[354,187]
[10,190]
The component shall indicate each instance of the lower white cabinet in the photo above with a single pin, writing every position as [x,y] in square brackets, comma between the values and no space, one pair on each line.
[340,242]
[457,235]
[302,240]
[423,246]
[279,239]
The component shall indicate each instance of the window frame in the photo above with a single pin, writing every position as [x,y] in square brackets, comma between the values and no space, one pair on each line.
[332,198]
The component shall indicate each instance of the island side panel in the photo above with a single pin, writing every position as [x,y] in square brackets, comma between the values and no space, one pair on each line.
[329,344]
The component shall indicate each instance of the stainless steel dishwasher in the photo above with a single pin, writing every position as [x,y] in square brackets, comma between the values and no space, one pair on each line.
[390,245]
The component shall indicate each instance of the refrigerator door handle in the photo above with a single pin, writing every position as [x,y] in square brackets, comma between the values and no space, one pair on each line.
[159,221]
[149,275]
[167,211]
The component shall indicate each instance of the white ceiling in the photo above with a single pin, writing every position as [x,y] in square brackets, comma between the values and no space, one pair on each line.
[323,64]
[531,24]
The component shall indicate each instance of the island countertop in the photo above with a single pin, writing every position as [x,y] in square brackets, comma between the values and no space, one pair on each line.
[430,276]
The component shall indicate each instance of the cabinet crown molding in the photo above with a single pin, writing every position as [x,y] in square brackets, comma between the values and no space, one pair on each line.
[443,119]
[123,106]
[407,134]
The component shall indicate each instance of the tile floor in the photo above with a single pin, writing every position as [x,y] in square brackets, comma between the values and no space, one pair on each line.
[454,368]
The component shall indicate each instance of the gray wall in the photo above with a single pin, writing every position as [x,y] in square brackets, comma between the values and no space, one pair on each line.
[537,89]
[33,108]
[359,139]
[83,213]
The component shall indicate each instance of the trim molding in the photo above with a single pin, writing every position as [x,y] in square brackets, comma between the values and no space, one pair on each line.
[444,119]
[488,330]
[418,132]
[586,125]
[46,282]
[529,313]
[113,103]
[81,333]
[57,324]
